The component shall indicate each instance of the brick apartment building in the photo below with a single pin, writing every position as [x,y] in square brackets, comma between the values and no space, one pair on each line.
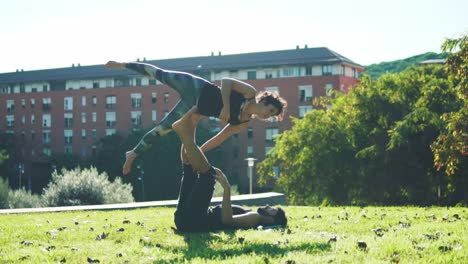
[67,110]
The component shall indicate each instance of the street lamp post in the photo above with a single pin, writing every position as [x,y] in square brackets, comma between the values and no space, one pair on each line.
[21,171]
[142,181]
[250,163]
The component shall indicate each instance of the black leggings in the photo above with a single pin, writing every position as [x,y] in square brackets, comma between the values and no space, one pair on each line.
[187,85]
[196,191]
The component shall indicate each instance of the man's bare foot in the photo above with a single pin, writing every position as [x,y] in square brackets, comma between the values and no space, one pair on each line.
[129,157]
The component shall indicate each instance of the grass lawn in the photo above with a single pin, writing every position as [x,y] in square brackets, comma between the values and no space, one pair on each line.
[314,235]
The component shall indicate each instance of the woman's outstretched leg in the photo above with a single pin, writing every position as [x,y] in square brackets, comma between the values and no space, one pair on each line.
[145,143]
[187,85]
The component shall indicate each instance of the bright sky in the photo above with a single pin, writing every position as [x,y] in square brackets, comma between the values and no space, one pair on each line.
[58,33]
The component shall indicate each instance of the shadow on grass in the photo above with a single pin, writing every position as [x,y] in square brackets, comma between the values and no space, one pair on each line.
[200,245]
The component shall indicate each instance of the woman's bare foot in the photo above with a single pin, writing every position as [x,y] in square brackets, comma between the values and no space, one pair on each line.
[129,157]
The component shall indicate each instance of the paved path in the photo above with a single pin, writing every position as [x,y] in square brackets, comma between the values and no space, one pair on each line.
[258,199]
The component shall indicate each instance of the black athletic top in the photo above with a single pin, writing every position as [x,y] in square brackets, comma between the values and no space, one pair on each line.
[210,103]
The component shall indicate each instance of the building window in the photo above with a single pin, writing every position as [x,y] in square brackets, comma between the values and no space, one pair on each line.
[249,132]
[68,149]
[68,120]
[305,93]
[152,81]
[33,119]
[46,136]
[251,75]
[308,70]
[166,97]
[267,150]
[83,101]
[110,132]
[110,119]
[272,89]
[270,133]
[94,100]
[111,100]
[353,73]
[23,103]
[136,100]
[68,103]
[329,89]
[33,135]
[10,121]
[276,172]
[23,120]
[83,151]
[327,69]
[68,136]
[154,115]
[268,74]
[83,118]
[33,103]
[343,70]
[304,109]
[46,102]
[288,71]
[136,118]
[46,151]
[138,82]
[46,120]
[83,133]
[94,134]
[249,151]
[94,117]
[10,106]
[95,85]
[153,97]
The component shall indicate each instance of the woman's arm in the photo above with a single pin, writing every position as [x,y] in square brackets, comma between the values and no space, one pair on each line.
[227,86]
[225,133]
[247,90]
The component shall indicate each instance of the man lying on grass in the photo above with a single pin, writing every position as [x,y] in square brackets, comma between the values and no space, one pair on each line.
[194,214]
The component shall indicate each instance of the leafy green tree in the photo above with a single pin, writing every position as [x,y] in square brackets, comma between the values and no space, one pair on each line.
[372,146]
[451,147]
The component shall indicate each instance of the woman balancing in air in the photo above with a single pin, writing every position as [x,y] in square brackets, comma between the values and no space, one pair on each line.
[235,103]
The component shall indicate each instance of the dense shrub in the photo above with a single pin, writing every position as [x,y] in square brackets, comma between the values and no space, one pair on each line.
[23,199]
[3,193]
[85,187]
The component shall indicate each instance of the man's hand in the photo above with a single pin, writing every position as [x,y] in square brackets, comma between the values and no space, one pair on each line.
[114,65]
[221,178]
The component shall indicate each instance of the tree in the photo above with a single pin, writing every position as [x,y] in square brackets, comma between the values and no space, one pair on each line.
[372,146]
[451,147]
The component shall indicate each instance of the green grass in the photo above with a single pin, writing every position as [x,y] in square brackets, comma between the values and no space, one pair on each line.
[314,235]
